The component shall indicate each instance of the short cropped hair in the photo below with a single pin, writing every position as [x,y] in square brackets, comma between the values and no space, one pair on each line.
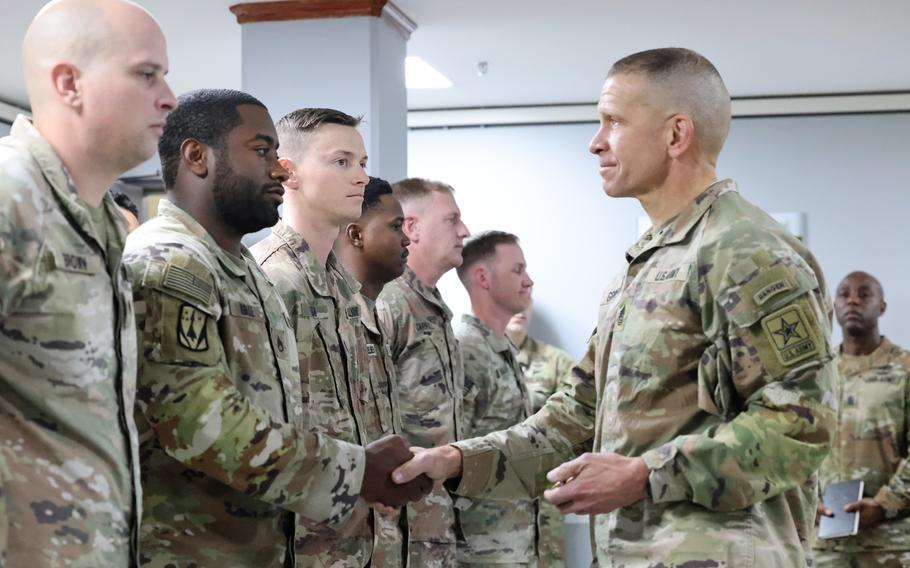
[687,83]
[296,127]
[123,201]
[207,115]
[410,189]
[374,189]
[481,247]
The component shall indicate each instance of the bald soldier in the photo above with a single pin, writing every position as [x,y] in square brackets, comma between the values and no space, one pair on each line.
[706,386]
[494,273]
[229,464]
[69,468]
[873,433]
[425,351]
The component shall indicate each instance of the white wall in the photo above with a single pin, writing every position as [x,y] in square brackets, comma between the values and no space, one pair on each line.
[848,174]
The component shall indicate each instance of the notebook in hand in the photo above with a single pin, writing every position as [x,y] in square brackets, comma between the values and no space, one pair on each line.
[837,496]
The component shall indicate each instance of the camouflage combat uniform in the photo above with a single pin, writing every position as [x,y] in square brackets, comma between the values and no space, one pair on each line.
[69,465]
[871,444]
[378,395]
[711,360]
[322,304]
[546,369]
[226,461]
[493,532]
[431,381]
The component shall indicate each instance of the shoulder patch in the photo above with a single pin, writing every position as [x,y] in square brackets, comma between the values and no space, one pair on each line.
[790,335]
[191,328]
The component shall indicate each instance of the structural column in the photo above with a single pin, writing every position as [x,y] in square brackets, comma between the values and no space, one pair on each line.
[342,54]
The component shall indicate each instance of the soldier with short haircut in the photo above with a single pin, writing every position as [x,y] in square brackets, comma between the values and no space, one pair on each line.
[873,433]
[495,275]
[69,463]
[374,249]
[706,388]
[326,160]
[228,461]
[425,351]
[546,369]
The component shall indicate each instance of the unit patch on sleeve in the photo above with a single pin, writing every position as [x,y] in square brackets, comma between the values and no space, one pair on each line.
[191,328]
[789,333]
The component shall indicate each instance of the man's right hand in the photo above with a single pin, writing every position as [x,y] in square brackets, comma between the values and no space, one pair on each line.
[383,456]
[438,464]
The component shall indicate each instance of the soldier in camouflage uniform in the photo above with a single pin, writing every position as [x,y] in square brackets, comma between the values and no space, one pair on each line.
[425,351]
[374,249]
[706,386]
[494,533]
[69,467]
[873,433]
[325,156]
[227,462]
[546,369]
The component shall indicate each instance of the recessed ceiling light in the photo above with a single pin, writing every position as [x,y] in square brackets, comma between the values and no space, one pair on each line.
[420,75]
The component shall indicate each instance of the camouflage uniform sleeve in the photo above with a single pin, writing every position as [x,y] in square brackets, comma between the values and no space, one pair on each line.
[389,324]
[768,374]
[202,420]
[894,496]
[564,364]
[477,375]
[20,241]
[513,463]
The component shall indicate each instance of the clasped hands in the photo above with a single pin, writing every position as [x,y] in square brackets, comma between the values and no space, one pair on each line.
[589,484]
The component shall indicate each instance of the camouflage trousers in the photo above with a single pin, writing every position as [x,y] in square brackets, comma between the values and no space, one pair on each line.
[497,565]
[551,536]
[864,559]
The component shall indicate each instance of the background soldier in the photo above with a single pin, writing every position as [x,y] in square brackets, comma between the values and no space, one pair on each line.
[226,458]
[69,472]
[494,274]
[374,249]
[706,386]
[546,369]
[426,354]
[873,392]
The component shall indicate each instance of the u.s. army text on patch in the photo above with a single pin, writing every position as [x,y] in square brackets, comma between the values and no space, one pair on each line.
[789,333]
[191,328]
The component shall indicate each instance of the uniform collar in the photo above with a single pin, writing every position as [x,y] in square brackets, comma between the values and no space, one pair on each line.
[431,295]
[881,357]
[678,228]
[61,184]
[498,343]
[317,275]
[231,263]
[368,313]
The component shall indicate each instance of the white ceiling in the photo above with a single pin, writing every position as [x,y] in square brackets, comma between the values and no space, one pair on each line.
[547,52]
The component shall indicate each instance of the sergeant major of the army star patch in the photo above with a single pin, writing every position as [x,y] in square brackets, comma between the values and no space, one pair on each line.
[191,328]
[788,331]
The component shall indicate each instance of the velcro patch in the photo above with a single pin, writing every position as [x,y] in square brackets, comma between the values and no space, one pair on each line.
[371,350]
[424,327]
[79,263]
[791,337]
[771,290]
[353,312]
[191,328]
[621,315]
[182,280]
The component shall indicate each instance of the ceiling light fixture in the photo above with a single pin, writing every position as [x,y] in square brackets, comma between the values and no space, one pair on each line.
[420,75]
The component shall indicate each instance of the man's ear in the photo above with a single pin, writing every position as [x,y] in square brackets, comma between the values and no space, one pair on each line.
[680,135]
[411,228]
[196,155]
[66,80]
[883,308]
[293,182]
[355,235]
[481,276]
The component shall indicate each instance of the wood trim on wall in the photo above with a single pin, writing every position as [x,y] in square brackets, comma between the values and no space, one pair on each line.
[282,10]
